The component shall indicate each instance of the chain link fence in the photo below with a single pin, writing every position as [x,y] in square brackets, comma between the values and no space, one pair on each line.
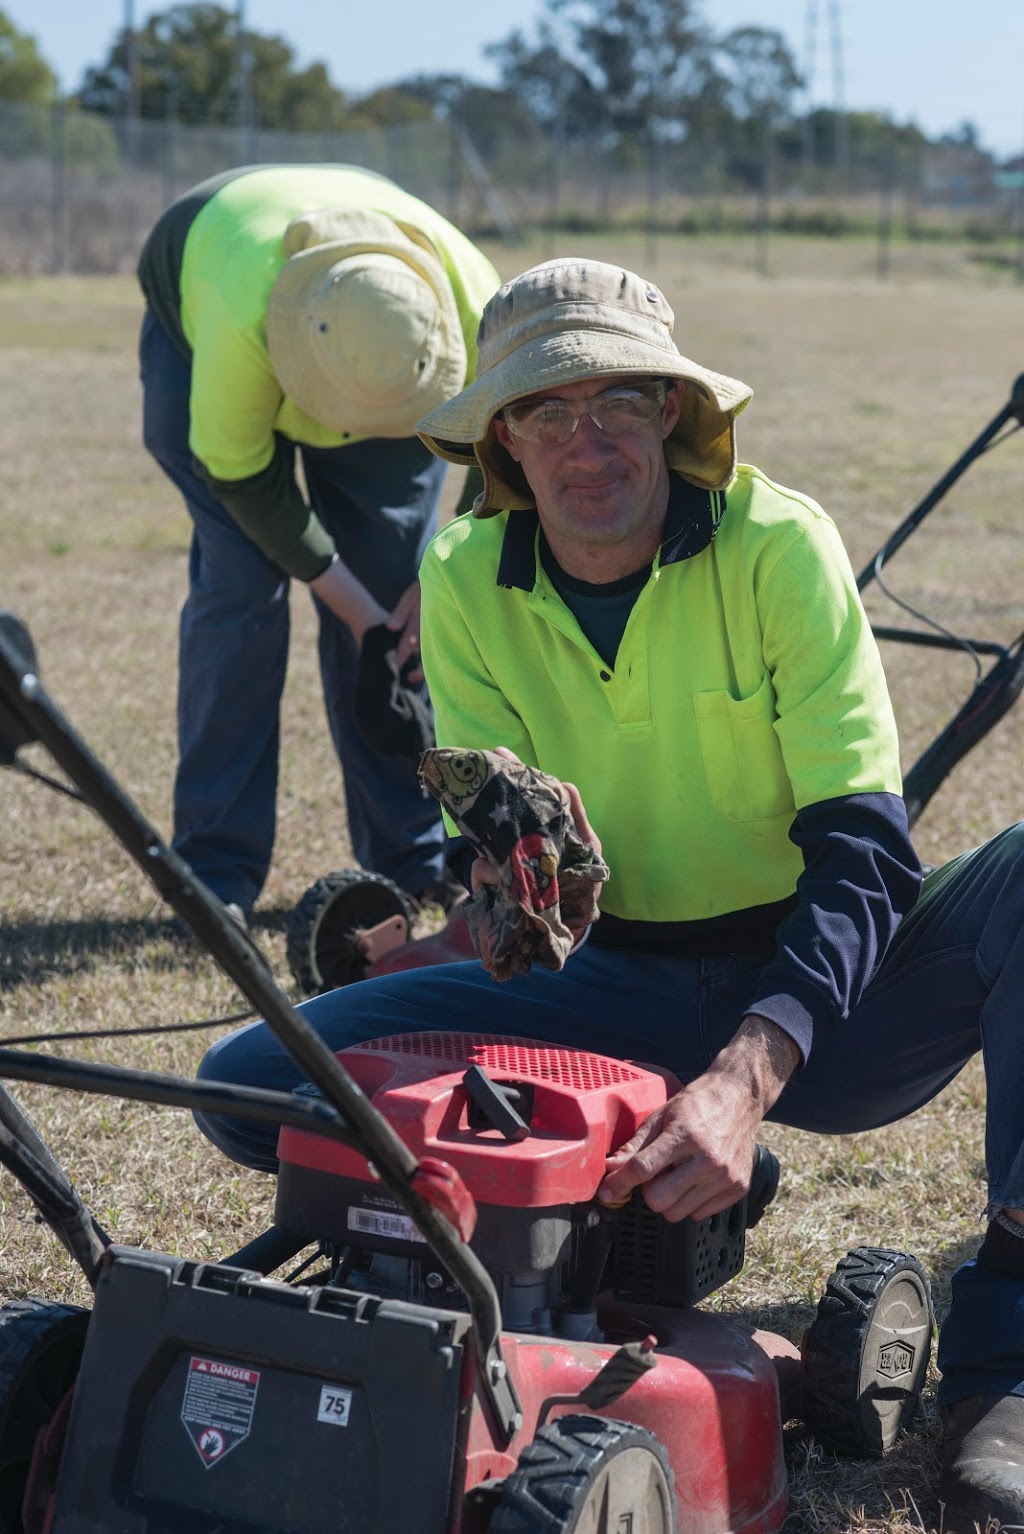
[79,192]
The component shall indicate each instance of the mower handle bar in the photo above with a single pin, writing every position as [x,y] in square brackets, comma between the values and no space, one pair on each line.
[1013,410]
[28,714]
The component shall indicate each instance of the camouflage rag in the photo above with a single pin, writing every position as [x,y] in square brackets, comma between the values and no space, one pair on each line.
[520,818]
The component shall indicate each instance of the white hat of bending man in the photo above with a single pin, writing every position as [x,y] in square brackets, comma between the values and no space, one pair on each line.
[563,322]
[362,326]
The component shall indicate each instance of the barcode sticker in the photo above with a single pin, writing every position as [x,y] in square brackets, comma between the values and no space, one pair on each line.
[335,1405]
[374,1222]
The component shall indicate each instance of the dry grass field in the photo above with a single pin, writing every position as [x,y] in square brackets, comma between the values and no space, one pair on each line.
[865,392]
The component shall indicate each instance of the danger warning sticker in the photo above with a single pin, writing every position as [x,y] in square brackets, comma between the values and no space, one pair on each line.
[217,1407]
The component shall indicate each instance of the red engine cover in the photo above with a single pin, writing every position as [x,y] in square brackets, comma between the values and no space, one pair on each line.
[584,1107]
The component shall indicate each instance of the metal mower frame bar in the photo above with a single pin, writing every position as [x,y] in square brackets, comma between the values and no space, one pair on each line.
[997,690]
[28,715]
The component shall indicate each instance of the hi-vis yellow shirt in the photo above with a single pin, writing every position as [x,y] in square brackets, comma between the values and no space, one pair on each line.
[207,270]
[747,685]
[231,259]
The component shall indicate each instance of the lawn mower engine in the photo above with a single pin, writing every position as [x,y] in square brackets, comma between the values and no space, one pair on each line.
[528,1127]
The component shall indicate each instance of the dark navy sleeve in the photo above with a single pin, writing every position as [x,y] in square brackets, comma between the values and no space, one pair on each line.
[861,876]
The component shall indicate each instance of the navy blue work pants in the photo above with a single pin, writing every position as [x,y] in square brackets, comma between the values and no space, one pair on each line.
[951,983]
[379,501]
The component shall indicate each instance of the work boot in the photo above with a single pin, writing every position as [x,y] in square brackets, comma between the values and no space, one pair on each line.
[181,933]
[237,914]
[983,1464]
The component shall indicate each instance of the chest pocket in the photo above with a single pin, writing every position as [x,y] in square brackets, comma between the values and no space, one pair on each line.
[741,754]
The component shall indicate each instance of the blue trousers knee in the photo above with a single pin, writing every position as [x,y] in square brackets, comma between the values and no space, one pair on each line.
[379,501]
[951,983]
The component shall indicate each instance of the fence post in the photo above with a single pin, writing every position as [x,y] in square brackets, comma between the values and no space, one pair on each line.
[554,188]
[454,174]
[764,200]
[59,176]
[885,204]
[170,145]
[604,159]
[653,200]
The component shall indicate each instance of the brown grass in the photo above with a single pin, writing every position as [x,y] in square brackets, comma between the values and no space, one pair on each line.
[865,393]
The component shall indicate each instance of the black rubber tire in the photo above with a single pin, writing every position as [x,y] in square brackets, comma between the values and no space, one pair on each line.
[575,1460]
[40,1353]
[322,932]
[865,1355]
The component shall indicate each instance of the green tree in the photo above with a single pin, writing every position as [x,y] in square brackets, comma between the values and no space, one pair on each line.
[188,65]
[878,146]
[629,66]
[490,118]
[493,132]
[388,105]
[762,76]
[25,76]
[557,93]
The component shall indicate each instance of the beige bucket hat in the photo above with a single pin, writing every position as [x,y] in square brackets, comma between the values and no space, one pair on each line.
[569,320]
[362,326]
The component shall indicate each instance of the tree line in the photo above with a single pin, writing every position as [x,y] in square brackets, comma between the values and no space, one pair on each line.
[632,76]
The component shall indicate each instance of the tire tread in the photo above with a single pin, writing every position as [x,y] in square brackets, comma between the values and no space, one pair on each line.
[833,1347]
[555,1470]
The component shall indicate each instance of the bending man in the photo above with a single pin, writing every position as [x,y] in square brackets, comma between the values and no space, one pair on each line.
[312,310]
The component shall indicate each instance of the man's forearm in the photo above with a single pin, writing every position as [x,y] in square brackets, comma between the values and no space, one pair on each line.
[693,1157]
[270,509]
[347,598]
[761,1054]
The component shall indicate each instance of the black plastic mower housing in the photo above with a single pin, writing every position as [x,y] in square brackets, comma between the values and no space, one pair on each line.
[213,1399]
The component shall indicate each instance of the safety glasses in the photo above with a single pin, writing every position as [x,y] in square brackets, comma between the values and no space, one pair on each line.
[613,411]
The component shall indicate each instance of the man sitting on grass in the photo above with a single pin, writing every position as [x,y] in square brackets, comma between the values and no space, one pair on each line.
[682,641]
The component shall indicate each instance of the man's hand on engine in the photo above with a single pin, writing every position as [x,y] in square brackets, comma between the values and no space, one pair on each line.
[694,1156]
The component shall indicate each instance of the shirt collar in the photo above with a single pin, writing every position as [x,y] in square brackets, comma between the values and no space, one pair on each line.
[691,522]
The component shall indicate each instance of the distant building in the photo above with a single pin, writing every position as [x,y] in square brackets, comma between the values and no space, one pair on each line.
[958,175]
[1009,176]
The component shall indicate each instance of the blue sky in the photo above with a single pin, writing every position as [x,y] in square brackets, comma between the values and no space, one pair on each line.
[938,62]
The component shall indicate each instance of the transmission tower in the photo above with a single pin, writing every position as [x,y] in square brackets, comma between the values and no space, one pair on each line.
[132,101]
[243,72]
[840,145]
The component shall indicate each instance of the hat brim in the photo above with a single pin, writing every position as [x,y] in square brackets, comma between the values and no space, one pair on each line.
[701,445]
[298,369]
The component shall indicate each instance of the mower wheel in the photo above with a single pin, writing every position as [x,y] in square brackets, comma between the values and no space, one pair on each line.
[588,1475]
[322,938]
[866,1353]
[40,1351]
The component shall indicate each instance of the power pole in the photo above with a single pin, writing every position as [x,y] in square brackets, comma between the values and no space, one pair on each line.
[132,97]
[244,73]
[841,141]
[810,58]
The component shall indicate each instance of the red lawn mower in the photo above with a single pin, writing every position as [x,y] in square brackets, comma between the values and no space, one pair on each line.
[475,1346]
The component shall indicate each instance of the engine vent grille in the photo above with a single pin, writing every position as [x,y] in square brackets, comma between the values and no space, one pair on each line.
[656,1263]
[517,1058]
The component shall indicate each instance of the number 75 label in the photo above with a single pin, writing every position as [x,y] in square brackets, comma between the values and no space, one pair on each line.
[335,1404]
